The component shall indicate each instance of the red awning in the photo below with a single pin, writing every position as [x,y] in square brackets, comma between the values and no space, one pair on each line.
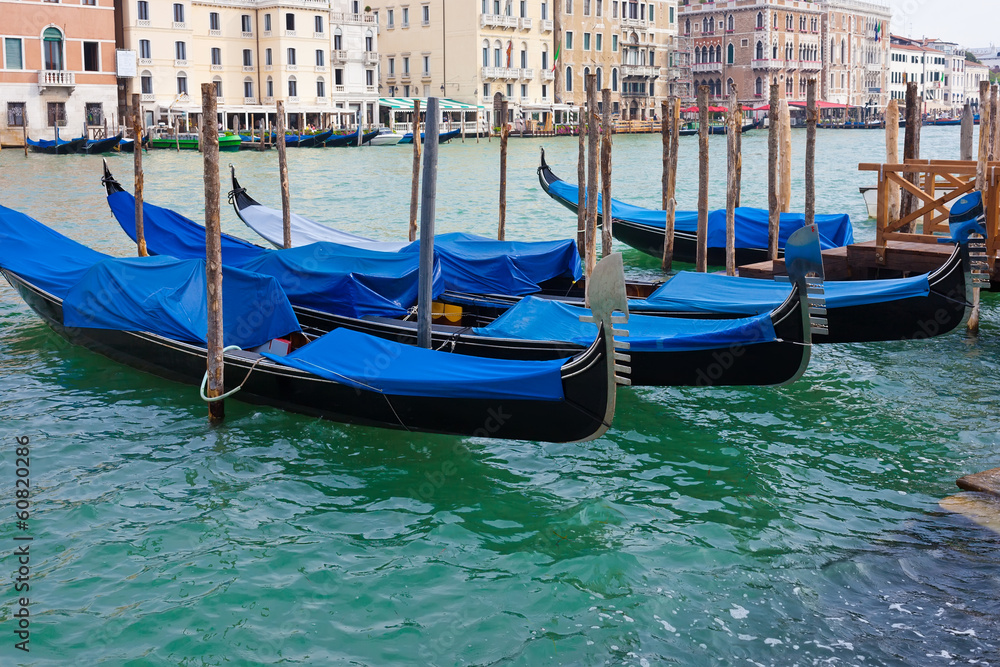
[820,104]
[694,109]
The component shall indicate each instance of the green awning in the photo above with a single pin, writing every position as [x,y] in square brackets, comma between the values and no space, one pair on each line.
[52,35]
[406,104]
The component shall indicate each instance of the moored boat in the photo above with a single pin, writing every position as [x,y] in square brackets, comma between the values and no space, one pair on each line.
[190,142]
[96,146]
[444,137]
[57,146]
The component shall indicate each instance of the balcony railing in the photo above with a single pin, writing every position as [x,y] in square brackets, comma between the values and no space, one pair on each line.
[425,75]
[246,34]
[500,73]
[342,17]
[215,33]
[766,63]
[527,73]
[292,67]
[268,100]
[179,25]
[371,57]
[546,25]
[706,67]
[180,62]
[143,23]
[266,33]
[791,64]
[322,100]
[147,97]
[145,62]
[289,33]
[249,100]
[268,68]
[340,56]
[810,65]
[293,99]
[216,68]
[497,21]
[371,90]
[524,23]
[548,75]
[634,23]
[319,35]
[340,89]
[640,70]
[319,68]
[249,68]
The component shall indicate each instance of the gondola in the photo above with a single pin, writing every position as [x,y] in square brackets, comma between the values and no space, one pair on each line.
[343,376]
[97,146]
[344,140]
[444,137]
[314,140]
[717,129]
[769,349]
[643,229]
[128,145]
[57,147]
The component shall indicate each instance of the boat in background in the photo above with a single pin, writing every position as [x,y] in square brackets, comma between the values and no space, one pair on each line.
[189,141]
[57,146]
[96,146]
[386,137]
[444,137]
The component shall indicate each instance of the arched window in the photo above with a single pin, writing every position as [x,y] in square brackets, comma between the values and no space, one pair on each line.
[293,87]
[248,88]
[217,82]
[760,20]
[182,83]
[731,24]
[704,25]
[524,55]
[497,54]
[774,50]
[270,87]
[704,55]
[338,40]
[718,86]
[545,57]
[569,80]
[486,53]
[614,79]
[760,50]
[600,79]
[52,45]
[320,87]
[843,51]
[369,41]
[759,87]
[731,54]
[687,27]
[146,81]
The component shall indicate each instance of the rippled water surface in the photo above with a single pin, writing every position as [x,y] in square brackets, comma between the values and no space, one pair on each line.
[785,526]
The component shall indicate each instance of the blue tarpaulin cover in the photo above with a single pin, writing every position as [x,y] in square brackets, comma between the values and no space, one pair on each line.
[167,296]
[534,318]
[471,264]
[835,230]
[478,265]
[334,278]
[396,369]
[42,256]
[713,293]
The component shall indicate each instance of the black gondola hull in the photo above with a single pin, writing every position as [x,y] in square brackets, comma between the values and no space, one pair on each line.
[578,416]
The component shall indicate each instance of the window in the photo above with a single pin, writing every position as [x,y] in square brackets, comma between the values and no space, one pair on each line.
[524,90]
[524,56]
[247,26]
[510,90]
[338,40]
[293,87]
[146,82]
[13,59]
[731,54]
[213,21]
[289,21]
[182,84]
[545,61]
[391,18]
[427,65]
[267,57]
[144,49]
[57,113]
[320,88]
[319,59]
[486,90]
[52,40]
[267,22]
[369,77]
[569,10]
[216,56]
[599,42]
[15,114]
[524,9]
[600,79]
[247,58]
[586,41]
[91,57]
[270,87]
[486,53]
[291,57]
[569,80]
[180,50]
[496,54]
[406,64]
[178,13]
[406,91]
[425,14]
[248,88]
[143,10]
[545,11]
[338,77]
[406,17]
[369,42]
[217,82]
[586,7]
[392,67]
[614,80]
[318,27]
[614,43]
[569,40]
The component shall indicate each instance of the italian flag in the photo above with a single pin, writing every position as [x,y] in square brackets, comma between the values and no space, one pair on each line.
[556,59]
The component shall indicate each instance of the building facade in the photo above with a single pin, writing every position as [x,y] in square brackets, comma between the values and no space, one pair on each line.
[856,63]
[57,68]
[319,56]
[974,74]
[918,62]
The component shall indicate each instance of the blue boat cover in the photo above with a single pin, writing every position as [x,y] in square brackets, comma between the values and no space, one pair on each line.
[478,265]
[713,293]
[534,318]
[395,369]
[42,256]
[835,230]
[49,143]
[334,278]
[167,296]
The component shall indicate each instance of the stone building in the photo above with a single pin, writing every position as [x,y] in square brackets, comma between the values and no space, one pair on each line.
[57,69]
[856,65]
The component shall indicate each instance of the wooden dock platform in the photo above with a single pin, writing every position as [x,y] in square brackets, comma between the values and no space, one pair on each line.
[859,261]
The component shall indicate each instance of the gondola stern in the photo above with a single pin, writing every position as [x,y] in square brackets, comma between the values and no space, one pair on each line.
[108,180]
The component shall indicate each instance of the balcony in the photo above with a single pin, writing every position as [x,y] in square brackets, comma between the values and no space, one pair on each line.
[548,75]
[426,76]
[500,73]
[791,64]
[289,33]
[371,57]
[340,89]
[339,56]
[268,68]
[145,62]
[266,33]
[269,100]
[766,63]
[371,90]
[143,23]
[249,68]
[246,34]
[319,68]
[217,68]
[319,35]
[405,77]
[321,101]
[497,21]
[179,25]
[546,25]
[342,17]
[640,71]
[179,62]
[293,99]
[249,100]
[634,23]
[525,100]
[147,97]
[706,67]
[292,67]
[527,73]
[810,65]
[215,33]
[524,23]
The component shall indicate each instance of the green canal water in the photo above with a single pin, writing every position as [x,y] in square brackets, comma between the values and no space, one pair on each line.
[797,525]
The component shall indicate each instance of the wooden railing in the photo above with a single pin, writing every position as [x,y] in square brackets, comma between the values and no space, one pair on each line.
[936,184]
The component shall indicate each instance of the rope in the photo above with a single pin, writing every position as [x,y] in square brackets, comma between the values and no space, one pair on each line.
[204,380]
[233,193]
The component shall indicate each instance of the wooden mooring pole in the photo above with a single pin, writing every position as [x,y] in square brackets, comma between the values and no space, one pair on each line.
[593,136]
[213,253]
[786,157]
[606,221]
[427,208]
[733,130]
[773,204]
[812,117]
[671,203]
[24,130]
[581,181]
[701,254]
[665,137]
[985,126]
[140,236]
[911,148]
[994,123]
[286,205]
[968,120]
[415,183]
[892,155]
[504,138]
